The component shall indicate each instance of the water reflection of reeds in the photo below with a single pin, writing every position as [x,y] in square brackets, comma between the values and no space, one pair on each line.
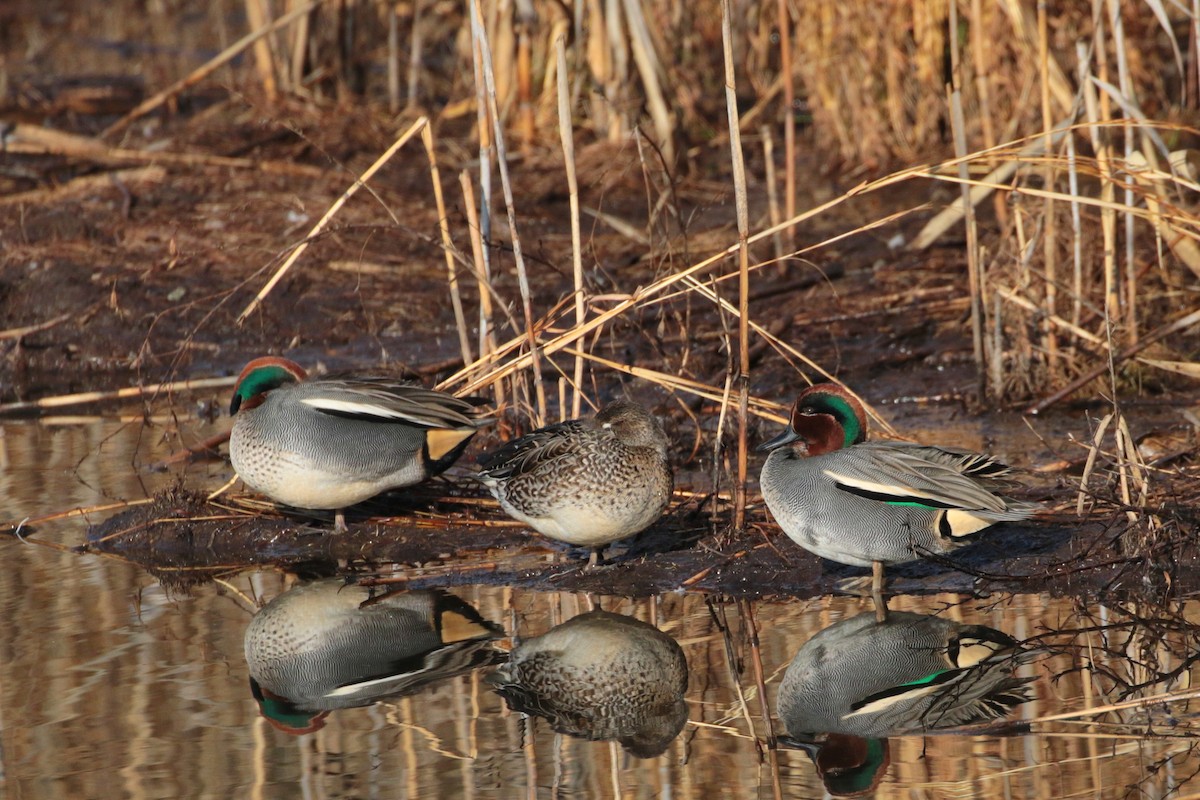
[100,665]
[108,683]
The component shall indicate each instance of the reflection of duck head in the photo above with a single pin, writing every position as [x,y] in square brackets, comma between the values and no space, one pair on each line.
[328,645]
[284,715]
[601,676]
[847,765]
[860,681]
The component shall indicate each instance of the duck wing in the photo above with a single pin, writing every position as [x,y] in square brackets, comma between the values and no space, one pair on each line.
[386,400]
[527,453]
[910,474]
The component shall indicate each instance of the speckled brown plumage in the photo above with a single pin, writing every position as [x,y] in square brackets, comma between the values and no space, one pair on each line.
[601,676]
[585,482]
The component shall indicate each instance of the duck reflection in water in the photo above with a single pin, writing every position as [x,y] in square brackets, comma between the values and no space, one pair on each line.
[860,681]
[327,645]
[601,676]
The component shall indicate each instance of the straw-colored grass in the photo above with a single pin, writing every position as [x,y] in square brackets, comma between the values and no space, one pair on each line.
[1080,273]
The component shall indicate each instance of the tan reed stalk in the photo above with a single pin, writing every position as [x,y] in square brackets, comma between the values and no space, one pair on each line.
[483,128]
[768,143]
[448,250]
[743,223]
[1156,186]
[1138,703]
[82,398]
[16,525]
[329,215]
[1050,218]
[614,768]
[500,27]
[1069,327]
[1100,111]
[979,48]
[258,16]
[787,350]
[653,292]
[996,356]
[942,173]
[1183,323]
[481,224]
[784,24]
[719,439]
[1117,31]
[1090,463]
[220,490]
[416,47]
[489,77]
[731,662]
[598,55]
[34,140]
[985,187]
[974,268]
[393,53]
[566,134]
[299,49]
[207,68]
[760,407]
[529,738]
[526,129]
[1076,219]
[746,609]
[1087,678]
[25,330]
[1132,472]
[649,70]
[487,336]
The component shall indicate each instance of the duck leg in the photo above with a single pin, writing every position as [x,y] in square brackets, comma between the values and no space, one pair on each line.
[596,559]
[877,591]
[339,521]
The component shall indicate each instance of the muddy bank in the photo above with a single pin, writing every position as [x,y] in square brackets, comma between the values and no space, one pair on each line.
[142,281]
[443,542]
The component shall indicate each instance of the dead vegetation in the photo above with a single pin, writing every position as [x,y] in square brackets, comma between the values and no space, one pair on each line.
[395,192]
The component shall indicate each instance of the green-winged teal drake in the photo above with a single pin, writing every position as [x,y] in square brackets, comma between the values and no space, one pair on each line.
[585,482]
[327,645]
[860,681]
[601,676]
[331,442]
[875,503]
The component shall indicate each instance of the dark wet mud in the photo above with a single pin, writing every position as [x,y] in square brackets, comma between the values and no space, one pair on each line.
[185,540]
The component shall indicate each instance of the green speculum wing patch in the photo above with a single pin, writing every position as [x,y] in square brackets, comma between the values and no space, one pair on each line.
[894,500]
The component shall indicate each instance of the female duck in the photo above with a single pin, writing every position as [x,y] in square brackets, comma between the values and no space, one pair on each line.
[875,503]
[331,442]
[601,676]
[585,482]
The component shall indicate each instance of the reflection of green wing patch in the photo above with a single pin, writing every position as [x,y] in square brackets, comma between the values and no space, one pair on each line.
[904,692]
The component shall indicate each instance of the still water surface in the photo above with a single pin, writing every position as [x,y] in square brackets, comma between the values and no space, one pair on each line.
[111,688]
